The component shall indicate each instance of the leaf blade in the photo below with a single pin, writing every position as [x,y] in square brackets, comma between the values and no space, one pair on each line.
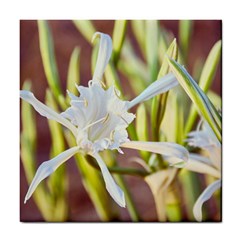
[201,101]
[119,32]
[49,61]
[206,78]
[73,76]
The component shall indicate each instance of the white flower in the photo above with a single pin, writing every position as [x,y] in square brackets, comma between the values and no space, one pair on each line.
[207,141]
[98,119]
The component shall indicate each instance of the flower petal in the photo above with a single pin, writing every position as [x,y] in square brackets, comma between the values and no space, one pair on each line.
[159,86]
[176,154]
[46,111]
[197,163]
[104,54]
[48,167]
[206,140]
[157,184]
[114,190]
[206,194]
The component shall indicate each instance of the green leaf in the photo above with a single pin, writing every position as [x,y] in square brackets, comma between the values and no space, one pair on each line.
[141,123]
[138,27]
[119,32]
[49,61]
[206,78]
[185,31]
[112,77]
[191,190]
[142,127]
[171,52]
[197,68]
[28,156]
[29,134]
[56,131]
[86,28]
[133,68]
[152,48]
[57,182]
[73,76]
[210,66]
[173,118]
[159,102]
[215,99]
[201,101]
[163,44]
[178,119]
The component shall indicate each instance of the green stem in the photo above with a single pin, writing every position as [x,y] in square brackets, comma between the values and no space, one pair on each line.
[129,171]
[130,204]
[132,210]
[120,170]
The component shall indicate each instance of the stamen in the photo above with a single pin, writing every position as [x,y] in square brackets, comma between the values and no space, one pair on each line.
[123,119]
[85,102]
[103,120]
[103,84]
[112,135]
[117,92]
[106,118]
[81,101]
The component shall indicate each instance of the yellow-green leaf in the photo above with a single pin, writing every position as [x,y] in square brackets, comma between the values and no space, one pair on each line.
[119,32]
[206,78]
[48,59]
[73,76]
[159,102]
[201,101]
[86,28]
[185,31]
[152,48]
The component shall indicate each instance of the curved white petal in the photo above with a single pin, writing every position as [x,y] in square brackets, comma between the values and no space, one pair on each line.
[159,86]
[196,164]
[104,54]
[206,140]
[47,168]
[114,190]
[46,111]
[176,154]
[206,195]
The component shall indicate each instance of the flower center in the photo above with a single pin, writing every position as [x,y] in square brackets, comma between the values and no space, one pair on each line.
[101,118]
[96,127]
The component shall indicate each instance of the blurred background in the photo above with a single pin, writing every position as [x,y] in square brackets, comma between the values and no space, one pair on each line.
[66,37]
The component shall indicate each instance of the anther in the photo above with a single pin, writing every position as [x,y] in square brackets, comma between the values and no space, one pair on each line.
[112,135]
[103,120]
[123,119]
[106,118]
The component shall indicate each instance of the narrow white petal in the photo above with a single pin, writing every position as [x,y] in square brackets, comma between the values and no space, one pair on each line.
[205,140]
[216,156]
[159,86]
[46,111]
[104,54]
[206,195]
[176,154]
[200,158]
[47,168]
[114,190]
[196,164]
